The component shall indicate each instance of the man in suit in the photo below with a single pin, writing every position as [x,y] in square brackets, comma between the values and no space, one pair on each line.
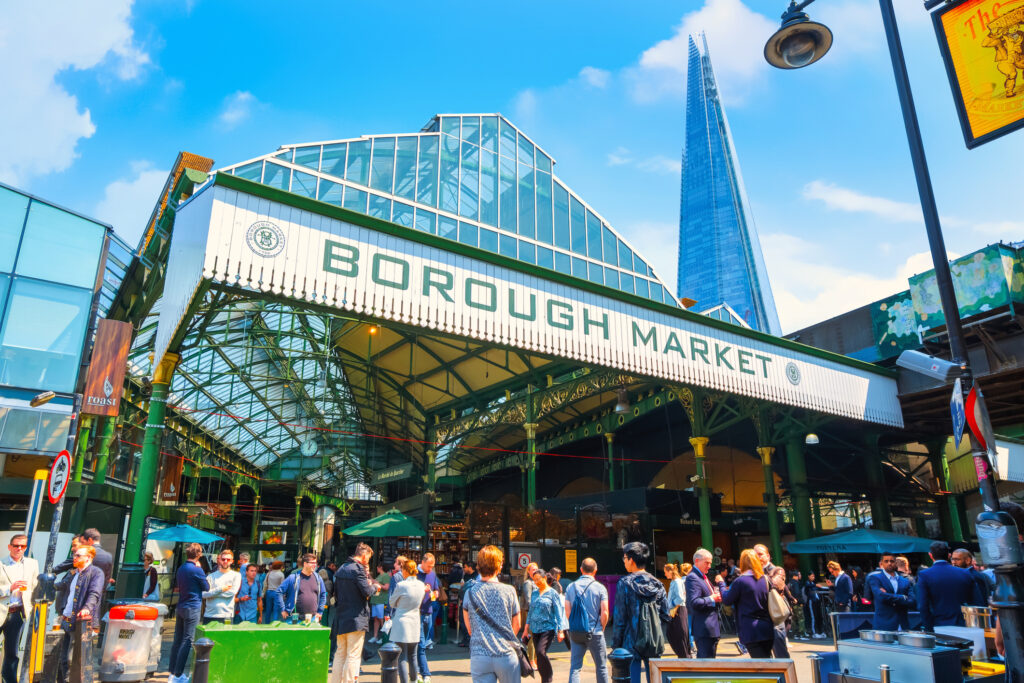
[942,589]
[963,558]
[17,582]
[353,589]
[892,595]
[104,560]
[83,604]
[843,586]
[702,601]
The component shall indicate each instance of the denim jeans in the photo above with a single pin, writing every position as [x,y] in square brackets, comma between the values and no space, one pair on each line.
[421,650]
[185,621]
[635,669]
[12,638]
[597,650]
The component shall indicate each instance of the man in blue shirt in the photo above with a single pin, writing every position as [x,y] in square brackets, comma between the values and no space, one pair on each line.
[891,594]
[942,589]
[590,599]
[248,598]
[192,584]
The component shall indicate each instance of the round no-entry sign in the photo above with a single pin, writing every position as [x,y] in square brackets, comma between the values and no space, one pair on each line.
[60,475]
[523,560]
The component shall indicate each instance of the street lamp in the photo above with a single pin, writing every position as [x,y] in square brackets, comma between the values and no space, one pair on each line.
[791,48]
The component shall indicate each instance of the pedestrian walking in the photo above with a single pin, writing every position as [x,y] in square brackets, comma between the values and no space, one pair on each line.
[224,585]
[547,622]
[641,611]
[273,602]
[304,592]
[243,563]
[327,576]
[405,599]
[353,589]
[491,612]
[83,604]
[943,589]
[151,589]
[891,594]
[470,576]
[812,600]
[702,599]
[525,596]
[378,603]
[427,576]
[191,582]
[678,632]
[248,600]
[748,593]
[17,583]
[586,607]
[779,593]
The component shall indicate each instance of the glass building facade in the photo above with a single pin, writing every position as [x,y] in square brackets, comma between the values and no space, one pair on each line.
[471,178]
[720,259]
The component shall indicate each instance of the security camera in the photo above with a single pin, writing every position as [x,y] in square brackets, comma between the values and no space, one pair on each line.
[694,478]
[930,366]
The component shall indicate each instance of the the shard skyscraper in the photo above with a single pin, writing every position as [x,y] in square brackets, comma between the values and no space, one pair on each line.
[720,259]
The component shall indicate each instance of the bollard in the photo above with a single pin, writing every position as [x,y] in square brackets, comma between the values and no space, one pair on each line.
[621,659]
[815,668]
[388,662]
[81,657]
[201,673]
[886,672]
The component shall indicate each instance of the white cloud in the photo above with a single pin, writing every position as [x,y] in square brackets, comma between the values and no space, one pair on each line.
[1007,231]
[525,105]
[735,36]
[237,108]
[844,199]
[594,77]
[661,164]
[128,202]
[40,121]
[619,157]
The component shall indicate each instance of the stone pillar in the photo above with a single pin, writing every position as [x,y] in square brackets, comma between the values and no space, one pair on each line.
[881,518]
[707,540]
[610,437]
[234,501]
[949,506]
[298,512]
[81,445]
[771,501]
[801,495]
[106,441]
[531,471]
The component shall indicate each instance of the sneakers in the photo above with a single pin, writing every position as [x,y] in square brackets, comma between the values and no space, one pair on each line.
[426,679]
[173,679]
[375,639]
[419,679]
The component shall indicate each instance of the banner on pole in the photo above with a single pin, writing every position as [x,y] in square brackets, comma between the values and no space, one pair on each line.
[104,382]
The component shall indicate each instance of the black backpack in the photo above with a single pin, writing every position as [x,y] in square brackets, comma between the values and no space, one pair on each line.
[650,639]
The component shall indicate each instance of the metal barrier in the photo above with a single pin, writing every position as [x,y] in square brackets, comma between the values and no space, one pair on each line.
[201,674]
[389,662]
[620,660]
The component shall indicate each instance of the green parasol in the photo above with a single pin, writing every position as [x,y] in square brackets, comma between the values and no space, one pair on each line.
[391,523]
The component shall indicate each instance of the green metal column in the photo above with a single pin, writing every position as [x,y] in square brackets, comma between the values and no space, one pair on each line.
[707,539]
[254,533]
[234,501]
[949,507]
[106,441]
[298,512]
[801,495]
[193,486]
[816,511]
[881,517]
[531,472]
[81,445]
[610,437]
[771,501]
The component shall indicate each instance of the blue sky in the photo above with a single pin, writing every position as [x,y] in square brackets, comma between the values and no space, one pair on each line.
[101,97]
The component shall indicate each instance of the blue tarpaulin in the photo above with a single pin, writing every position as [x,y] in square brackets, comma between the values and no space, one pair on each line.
[861,541]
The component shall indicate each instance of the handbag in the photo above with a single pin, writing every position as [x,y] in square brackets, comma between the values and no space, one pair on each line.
[778,608]
[525,668]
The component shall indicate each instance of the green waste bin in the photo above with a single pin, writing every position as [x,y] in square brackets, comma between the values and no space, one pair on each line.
[267,653]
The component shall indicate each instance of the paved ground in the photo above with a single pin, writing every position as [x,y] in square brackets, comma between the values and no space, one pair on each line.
[449,663]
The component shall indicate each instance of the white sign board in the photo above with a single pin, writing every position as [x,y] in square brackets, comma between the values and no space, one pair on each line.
[247,241]
[60,476]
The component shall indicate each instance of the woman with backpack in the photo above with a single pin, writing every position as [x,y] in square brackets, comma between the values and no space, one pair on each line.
[546,621]
[749,594]
[641,611]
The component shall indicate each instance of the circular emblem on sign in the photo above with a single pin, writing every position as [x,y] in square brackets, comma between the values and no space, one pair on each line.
[793,373]
[523,560]
[265,239]
[60,475]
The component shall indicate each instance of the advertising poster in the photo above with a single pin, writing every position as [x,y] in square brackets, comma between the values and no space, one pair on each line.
[982,44]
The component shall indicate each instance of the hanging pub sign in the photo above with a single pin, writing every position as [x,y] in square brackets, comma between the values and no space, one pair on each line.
[104,382]
[391,474]
[982,44]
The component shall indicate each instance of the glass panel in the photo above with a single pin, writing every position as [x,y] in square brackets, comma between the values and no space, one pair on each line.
[596,273]
[12,219]
[447,227]
[380,207]
[579,267]
[579,227]
[330,192]
[450,125]
[303,184]
[5,280]
[426,221]
[508,195]
[611,254]
[489,188]
[20,428]
[561,202]
[563,263]
[489,133]
[508,140]
[426,171]
[543,162]
[626,283]
[471,129]
[403,214]
[382,174]
[469,199]
[527,226]
[42,335]
[253,171]
[508,246]
[468,233]
[333,161]
[593,236]
[545,257]
[611,277]
[277,176]
[53,431]
[449,174]
[625,256]
[308,157]
[355,199]
[642,288]
[527,252]
[544,207]
[60,246]
[489,240]
[405,168]
[525,151]
[285,154]
[357,169]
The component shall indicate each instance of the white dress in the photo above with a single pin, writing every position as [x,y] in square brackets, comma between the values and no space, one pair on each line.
[406,600]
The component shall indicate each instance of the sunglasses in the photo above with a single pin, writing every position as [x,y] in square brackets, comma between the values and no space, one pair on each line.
[22,546]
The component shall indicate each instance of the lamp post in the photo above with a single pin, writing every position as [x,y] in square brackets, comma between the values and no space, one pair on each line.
[798,43]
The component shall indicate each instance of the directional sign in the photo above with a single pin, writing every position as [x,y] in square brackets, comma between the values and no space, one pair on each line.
[956,409]
[60,475]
